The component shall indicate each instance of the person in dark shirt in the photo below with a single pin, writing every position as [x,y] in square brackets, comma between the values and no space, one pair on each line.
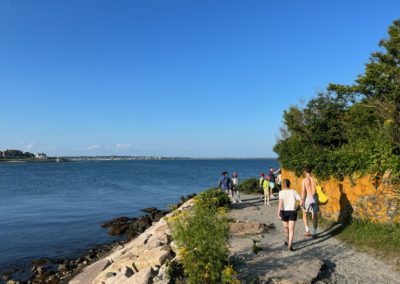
[271,180]
[224,182]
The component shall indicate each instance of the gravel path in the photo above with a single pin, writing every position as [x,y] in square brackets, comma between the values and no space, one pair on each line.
[323,260]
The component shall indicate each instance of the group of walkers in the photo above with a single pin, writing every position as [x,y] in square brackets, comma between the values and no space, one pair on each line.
[268,183]
[230,186]
[289,200]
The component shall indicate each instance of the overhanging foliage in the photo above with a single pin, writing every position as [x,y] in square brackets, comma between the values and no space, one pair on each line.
[349,129]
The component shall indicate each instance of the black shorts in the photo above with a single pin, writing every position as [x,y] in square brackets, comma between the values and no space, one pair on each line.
[288,215]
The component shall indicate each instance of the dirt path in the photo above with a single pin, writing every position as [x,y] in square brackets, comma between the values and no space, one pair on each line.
[323,260]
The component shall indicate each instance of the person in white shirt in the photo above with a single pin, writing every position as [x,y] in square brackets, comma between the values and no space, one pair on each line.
[287,211]
[235,188]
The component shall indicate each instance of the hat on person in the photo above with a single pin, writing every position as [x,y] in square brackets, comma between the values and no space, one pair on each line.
[262,174]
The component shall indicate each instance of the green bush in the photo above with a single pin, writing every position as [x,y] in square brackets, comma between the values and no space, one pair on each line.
[229,276]
[202,237]
[250,185]
[214,197]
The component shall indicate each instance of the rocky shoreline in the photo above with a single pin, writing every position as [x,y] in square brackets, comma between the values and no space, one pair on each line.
[51,271]
[145,259]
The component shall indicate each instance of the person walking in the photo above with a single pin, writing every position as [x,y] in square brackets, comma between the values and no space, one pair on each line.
[287,211]
[278,179]
[266,191]
[235,188]
[224,182]
[260,185]
[309,202]
[271,182]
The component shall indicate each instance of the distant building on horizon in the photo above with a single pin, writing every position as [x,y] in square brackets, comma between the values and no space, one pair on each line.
[41,156]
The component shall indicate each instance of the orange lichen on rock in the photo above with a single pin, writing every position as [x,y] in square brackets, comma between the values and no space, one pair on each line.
[365,198]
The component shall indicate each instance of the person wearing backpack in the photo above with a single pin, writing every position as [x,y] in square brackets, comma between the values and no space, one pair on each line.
[310,202]
[224,183]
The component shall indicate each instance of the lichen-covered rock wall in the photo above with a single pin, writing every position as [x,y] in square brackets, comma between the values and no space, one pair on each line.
[366,198]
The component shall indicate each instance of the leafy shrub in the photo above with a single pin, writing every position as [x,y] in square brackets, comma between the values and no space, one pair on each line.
[250,185]
[349,129]
[214,197]
[229,276]
[202,237]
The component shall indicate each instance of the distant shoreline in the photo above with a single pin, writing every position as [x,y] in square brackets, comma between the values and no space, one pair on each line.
[21,161]
[117,158]
[150,158]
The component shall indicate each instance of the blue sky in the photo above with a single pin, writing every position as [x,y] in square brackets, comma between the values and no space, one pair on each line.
[173,78]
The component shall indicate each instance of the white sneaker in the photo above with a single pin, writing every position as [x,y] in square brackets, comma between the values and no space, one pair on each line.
[268,203]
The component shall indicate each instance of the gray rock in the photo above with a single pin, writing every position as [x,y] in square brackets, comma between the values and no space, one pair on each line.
[62,267]
[128,272]
[143,277]
[111,274]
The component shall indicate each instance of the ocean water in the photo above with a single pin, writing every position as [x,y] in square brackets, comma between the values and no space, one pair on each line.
[55,209]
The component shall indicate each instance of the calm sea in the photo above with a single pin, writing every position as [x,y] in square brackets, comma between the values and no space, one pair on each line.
[55,209]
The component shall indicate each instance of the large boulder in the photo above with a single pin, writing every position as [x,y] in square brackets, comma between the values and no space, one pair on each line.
[152,257]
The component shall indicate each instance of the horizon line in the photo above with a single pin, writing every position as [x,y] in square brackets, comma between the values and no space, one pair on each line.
[171,157]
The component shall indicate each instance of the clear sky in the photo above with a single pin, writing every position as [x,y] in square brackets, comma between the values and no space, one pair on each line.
[197,78]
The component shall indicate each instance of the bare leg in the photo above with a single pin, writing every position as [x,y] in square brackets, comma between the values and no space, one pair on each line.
[266,196]
[305,222]
[286,230]
[291,233]
[238,196]
[315,223]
